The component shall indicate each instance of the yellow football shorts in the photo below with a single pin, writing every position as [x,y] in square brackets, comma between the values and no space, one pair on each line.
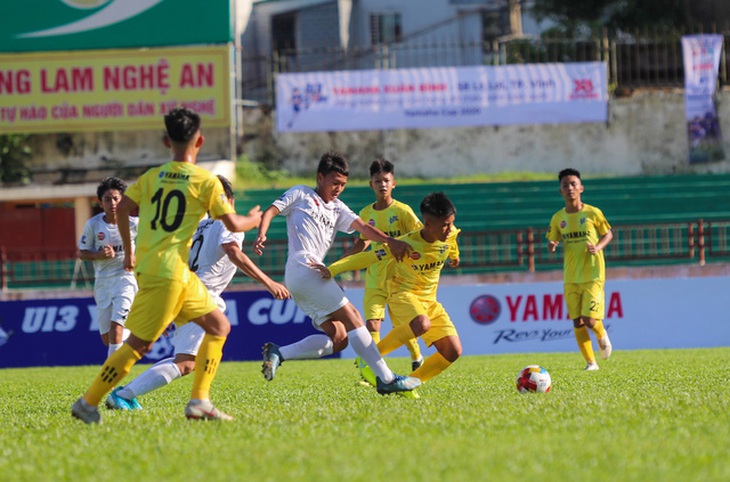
[585,299]
[374,303]
[160,301]
[404,307]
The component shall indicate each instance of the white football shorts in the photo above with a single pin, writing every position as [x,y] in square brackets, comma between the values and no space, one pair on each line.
[315,296]
[114,298]
[187,337]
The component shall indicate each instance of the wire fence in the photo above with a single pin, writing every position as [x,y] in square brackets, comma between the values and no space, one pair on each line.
[640,59]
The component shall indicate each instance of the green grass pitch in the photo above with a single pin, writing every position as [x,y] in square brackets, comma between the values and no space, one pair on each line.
[655,415]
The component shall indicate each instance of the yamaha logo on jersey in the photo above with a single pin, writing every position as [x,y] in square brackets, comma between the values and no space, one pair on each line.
[415,256]
[100,236]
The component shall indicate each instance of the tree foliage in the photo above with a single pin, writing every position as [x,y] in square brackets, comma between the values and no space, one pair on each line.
[14,151]
[628,15]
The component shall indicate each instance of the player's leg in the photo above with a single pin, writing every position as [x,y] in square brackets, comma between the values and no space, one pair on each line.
[373,326]
[122,297]
[186,341]
[374,310]
[153,309]
[362,343]
[317,298]
[443,336]
[448,350]
[413,348]
[201,308]
[116,337]
[593,310]
[104,320]
[573,300]
[410,320]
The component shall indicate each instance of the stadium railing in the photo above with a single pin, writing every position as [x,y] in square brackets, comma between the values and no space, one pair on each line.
[645,244]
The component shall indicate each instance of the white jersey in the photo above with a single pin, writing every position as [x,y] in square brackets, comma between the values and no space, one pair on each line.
[207,258]
[312,224]
[97,234]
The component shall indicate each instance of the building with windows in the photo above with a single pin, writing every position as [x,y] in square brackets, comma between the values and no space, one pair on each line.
[311,35]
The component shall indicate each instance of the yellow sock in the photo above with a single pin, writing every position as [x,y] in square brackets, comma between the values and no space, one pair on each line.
[413,348]
[584,343]
[397,337]
[116,367]
[206,365]
[376,336]
[433,365]
[599,329]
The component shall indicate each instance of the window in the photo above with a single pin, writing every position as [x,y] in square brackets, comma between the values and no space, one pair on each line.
[385,28]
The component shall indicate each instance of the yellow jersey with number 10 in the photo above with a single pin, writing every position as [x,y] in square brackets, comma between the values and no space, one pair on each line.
[172,199]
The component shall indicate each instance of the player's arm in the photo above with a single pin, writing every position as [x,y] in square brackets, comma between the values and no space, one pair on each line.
[106,252]
[266,218]
[454,252]
[605,239]
[126,206]
[355,262]
[358,246]
[398,248]
[244,263]
[86,254]
[238,223]
[553,236]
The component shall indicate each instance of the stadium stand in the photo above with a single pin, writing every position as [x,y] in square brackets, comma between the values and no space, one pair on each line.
[656,220]
[519,205]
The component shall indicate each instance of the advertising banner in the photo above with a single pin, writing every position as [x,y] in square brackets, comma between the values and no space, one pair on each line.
[44,25]
[532,317]
[65,332]
[112,89]
[442,97]
[701,56]
[491,319]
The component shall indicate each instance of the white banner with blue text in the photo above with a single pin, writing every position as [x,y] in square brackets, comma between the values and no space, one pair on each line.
[442,97]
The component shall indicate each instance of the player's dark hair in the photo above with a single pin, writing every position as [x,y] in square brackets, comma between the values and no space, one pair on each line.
[437,205]
[568,172]
[381,166]
[110,183]
[181,124]
[333,161]
[227,186]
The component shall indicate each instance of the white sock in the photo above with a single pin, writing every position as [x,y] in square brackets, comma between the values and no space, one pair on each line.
[362,342]
[112,348]
[158,375]
[313,346]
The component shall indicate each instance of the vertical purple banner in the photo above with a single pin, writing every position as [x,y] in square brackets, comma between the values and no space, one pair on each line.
[701,56]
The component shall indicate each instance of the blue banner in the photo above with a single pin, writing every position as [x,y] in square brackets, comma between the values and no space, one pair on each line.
[64,332]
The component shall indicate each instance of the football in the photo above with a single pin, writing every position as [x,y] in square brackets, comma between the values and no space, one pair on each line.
[534,379]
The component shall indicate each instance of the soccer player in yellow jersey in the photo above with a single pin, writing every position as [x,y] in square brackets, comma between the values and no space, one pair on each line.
[395,219]
[412,287]
[172,199]
[584,231]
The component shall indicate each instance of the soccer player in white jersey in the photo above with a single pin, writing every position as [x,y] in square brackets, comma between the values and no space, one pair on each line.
[214,256]
[313,218]
[114,287]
